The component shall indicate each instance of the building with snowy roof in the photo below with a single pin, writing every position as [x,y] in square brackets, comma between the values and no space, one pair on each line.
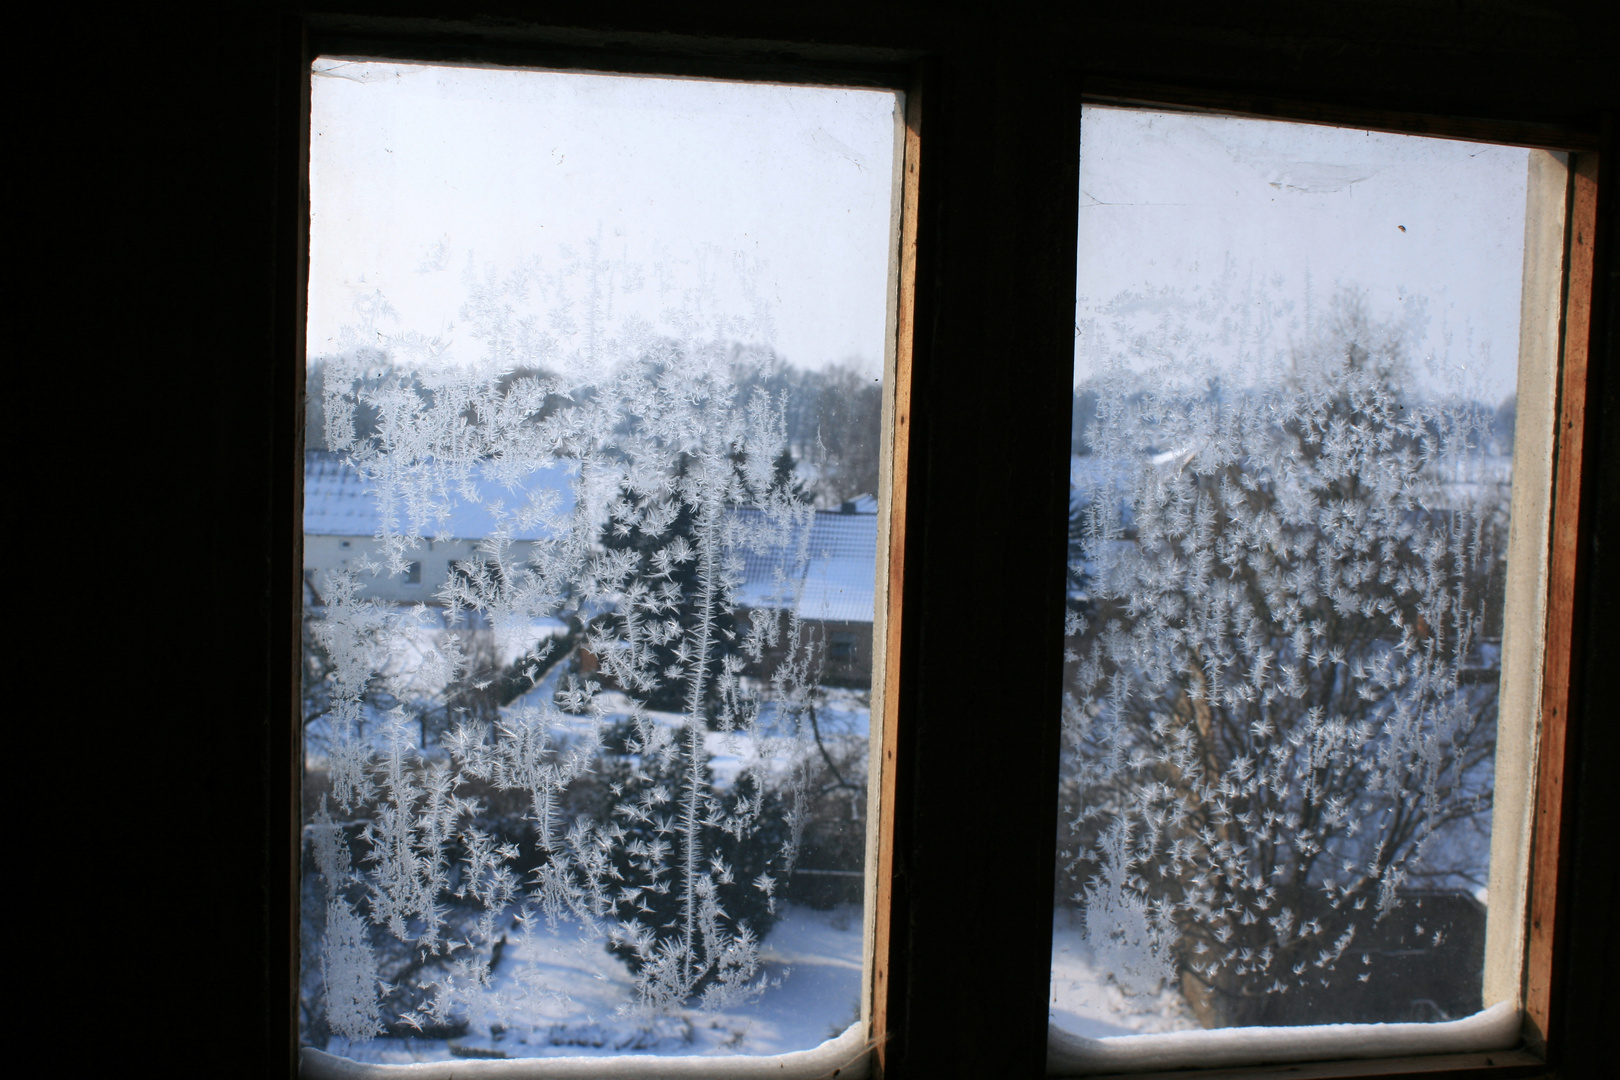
[343,514]
[832,587]
[830,583]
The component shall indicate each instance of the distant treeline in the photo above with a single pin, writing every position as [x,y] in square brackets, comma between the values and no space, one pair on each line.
[833,416]
[1499,424]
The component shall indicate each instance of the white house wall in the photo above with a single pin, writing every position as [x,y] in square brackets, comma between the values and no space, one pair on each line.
[323,554]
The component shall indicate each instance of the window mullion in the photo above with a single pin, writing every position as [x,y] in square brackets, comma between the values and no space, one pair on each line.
[987,518]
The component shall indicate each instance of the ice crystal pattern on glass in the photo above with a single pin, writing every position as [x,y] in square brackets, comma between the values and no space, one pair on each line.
[1276,616]
[672,456]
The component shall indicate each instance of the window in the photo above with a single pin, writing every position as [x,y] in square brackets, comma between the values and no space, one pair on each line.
[621,342]
[841,647]
[989,328]
[1313,401]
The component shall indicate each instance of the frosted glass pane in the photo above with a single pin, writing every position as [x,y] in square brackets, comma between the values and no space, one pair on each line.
[590,527]
[1296,369]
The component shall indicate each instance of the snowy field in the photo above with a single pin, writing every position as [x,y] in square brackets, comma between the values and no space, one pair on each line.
[1088,1003]
[813,959]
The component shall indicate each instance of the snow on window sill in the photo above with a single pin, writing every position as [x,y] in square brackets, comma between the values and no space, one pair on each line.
[845,1056]
[1496,1028]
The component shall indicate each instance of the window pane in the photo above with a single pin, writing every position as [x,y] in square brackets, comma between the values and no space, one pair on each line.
[590,526]
[1297,393]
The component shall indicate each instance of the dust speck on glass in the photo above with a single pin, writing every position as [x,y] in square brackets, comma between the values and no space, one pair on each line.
[590,525]
[1296,361]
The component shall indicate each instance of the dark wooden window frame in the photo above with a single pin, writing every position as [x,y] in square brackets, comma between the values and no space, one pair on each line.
[987,271]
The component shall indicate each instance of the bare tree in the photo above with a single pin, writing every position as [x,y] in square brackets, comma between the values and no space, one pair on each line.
[1271,724]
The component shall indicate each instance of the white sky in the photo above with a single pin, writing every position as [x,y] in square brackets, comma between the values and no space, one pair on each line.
[1213,207]
[501,165]
[509,164]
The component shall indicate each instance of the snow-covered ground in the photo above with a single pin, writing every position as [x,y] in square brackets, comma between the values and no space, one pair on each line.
[560,997]
[1085,1001]
[842,714]
[562,994]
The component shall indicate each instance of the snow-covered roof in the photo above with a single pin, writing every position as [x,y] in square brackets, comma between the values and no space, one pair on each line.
[338,502]
[836,585]
[1089,472]
[861,504]
[838,579]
